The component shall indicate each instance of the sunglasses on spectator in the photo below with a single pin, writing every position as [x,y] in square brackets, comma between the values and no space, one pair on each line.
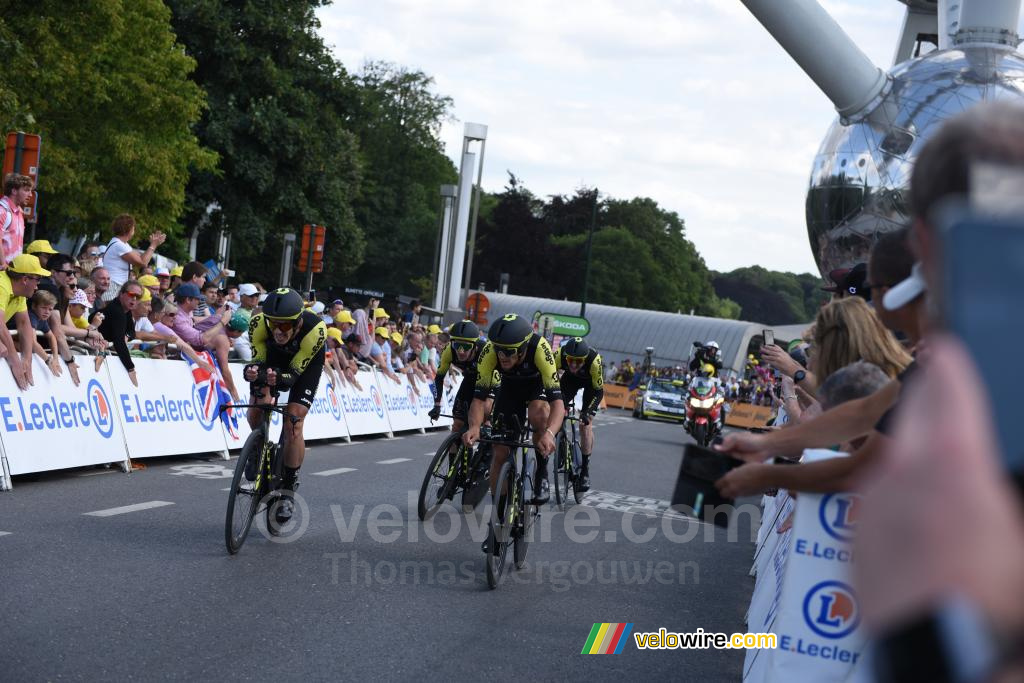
[68,273]
[72,285]
[507,351]
[133,295]
[462,346]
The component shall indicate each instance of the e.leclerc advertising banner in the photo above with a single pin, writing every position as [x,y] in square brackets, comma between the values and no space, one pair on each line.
[363,405]
[55,424]
[169,413]
[407,405]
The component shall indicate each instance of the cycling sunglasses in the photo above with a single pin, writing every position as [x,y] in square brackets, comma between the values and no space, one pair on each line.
[282,325]
[507,351]
[462,346]
[576,359]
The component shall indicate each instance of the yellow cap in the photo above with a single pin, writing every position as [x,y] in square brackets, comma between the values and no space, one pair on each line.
[40,247]
[434,329]
[334,333]
[27,264]
[149,281]
[146,295]
[344,317]
[177,271]
[379,313]
[395,337]
[382,331]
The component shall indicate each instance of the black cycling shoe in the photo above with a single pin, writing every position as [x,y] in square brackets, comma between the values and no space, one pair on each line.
[284,511]
[583,483]
[541,492]
[250,468]
[489,542]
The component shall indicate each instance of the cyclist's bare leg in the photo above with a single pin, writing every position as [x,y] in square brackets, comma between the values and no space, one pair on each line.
[587,437]
[499,455]
[296,442]
[255,415]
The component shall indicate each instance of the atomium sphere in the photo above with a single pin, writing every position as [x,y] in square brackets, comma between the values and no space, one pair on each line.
[860,180]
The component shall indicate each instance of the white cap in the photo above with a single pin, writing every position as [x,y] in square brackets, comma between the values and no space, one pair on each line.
[263,297]
[248,289]
[162,271]
[317,307]
[79,297]
[906,291]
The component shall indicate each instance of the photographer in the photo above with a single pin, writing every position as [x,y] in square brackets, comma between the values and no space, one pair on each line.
[706,354]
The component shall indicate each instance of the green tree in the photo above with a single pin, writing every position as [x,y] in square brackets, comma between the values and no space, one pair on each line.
[398,123]
[278,109]
[106,85]
[772,297]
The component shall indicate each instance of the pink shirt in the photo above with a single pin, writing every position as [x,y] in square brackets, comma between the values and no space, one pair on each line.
[190,331]
[12,229]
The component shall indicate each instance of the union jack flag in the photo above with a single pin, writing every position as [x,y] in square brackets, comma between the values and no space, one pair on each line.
[213,392]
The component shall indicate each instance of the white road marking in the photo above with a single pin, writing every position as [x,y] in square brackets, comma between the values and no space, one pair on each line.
[393,461]
[340,470]
[637,505]
[5,533]
[129,508]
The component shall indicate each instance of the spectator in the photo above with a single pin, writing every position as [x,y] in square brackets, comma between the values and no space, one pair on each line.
[163,276]
[151,329]
[208,334]
[229,295]
[382,339]
[39,313]
[78,306]
[101,278]
[610,372]
[344,321]
[848,282]
[337,306]
[42,250]
[176,273]
[248,299]
[151,283]
[118,326]
[17,283]
[89,287]
[119,257]
[354,345]
[211,297]
[89,257]
[65,285]
[17,191]
[412,316]
[363,331]
[194,273]
[380,318]
[238,333]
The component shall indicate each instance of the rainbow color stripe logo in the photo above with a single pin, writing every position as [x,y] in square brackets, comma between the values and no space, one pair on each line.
[607,639]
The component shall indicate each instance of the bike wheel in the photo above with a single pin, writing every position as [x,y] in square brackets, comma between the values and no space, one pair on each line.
[700,434]
[276,454]
[503,519]
[524,524]
[474,482]
[440,479]
[563,473]
[577,468]
[244,497]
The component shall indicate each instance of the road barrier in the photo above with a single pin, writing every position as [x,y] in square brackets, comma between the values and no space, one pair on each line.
[747,416]
[106,419]
[619,396]
[802,591]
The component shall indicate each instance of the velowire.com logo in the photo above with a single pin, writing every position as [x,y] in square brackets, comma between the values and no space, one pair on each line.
[607,639]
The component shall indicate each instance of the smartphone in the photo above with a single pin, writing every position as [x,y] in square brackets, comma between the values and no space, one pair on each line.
[695,491]
[769,337]
[980,302]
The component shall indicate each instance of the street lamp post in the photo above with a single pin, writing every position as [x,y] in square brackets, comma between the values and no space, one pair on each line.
[590,244]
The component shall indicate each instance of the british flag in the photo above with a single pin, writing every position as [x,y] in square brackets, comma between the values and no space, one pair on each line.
[213,392]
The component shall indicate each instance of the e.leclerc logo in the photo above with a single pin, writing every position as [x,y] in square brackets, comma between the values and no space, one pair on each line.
[838,515]
[378,403]
[99,409]
[830,609]
[333,402]
[206,409]
[411,395]
[21,415]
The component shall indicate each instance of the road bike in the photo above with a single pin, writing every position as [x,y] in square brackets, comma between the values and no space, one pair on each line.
[512,516]
[261,486]
[454,468]
[568,461]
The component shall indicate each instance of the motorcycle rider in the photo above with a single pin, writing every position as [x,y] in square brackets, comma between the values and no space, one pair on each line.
[707,354]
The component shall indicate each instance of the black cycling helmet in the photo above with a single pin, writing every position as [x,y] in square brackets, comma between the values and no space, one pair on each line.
[575,348]
[464,330]
[510,332]
[283,304]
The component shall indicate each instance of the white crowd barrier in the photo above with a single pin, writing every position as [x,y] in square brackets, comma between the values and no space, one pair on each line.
[106,419]
[802,591]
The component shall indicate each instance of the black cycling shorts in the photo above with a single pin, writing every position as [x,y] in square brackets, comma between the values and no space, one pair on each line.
[463,398]
[513,399]
[304,390]
[571,386]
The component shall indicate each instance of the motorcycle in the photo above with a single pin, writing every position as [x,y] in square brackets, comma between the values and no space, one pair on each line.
[705,405]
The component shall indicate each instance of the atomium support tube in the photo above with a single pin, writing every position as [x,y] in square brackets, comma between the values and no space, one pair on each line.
[988,23]
[823,50]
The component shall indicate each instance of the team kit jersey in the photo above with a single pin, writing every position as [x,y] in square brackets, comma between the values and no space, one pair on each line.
[536,378]
[449,359]
[303,354]
[589,377]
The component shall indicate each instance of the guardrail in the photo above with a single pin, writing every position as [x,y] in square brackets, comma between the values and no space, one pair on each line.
[175,411]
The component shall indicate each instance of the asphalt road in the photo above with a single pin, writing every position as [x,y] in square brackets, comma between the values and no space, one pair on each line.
[365,590]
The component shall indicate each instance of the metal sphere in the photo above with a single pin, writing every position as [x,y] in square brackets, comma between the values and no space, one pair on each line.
[861,175]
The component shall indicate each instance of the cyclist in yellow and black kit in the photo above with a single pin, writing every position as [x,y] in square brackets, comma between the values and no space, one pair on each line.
[528,389]
[288,354]
[462,352]
[581,366]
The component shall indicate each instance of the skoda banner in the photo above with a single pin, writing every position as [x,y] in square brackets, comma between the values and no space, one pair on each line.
[549,324]
[168,413]
[56,425]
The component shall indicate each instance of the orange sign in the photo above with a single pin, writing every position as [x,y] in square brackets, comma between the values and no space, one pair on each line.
[313,237]
[22,156]
[746,415]
[619,396]
[477,306]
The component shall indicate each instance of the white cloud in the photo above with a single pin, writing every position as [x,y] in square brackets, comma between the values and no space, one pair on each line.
[689,102]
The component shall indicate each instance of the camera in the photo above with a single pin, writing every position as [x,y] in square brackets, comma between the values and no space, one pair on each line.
[649,350]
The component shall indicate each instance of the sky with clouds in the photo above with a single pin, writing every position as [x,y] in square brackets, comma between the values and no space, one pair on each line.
[689,102]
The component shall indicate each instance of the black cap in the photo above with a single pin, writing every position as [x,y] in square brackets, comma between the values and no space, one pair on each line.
[851,283]
[353,338]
